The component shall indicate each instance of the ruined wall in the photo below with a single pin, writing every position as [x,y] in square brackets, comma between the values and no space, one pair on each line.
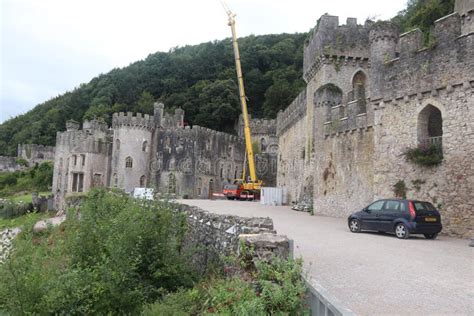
[216,235]
[9,164]
[35,153]
[83,152]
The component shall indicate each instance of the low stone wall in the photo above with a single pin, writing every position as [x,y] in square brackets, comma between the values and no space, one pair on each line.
[212,236]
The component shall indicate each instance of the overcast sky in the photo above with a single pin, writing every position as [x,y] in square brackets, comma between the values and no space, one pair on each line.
[49,47]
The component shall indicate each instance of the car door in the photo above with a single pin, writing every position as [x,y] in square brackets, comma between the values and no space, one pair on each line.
[370,215]
[390,211]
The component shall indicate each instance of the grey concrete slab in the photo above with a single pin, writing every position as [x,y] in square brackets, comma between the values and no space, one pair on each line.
[372,273]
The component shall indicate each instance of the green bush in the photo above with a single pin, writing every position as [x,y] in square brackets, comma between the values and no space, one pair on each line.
[38,178]
[274,288]
[430,155]
[9,209]
[113,257]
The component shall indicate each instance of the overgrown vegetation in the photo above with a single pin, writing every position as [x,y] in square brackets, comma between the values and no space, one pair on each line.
[123,256]
[274,288]
[400,189]
[422,155]
[201,79]
[37,178]
[422,14]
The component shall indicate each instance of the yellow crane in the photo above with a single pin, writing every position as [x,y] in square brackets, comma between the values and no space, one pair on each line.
[254,184]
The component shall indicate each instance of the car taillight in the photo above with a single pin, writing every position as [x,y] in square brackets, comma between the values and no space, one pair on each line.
[411,208]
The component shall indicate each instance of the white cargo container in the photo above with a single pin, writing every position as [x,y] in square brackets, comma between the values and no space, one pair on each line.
[272,196]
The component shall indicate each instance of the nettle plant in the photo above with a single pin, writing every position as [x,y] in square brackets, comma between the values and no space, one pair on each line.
[424,155]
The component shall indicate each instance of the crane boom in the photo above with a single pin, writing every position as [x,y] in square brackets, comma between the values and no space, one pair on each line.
[255,184]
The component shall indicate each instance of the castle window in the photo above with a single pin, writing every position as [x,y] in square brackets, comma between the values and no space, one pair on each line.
[142,181]
[115,180]
[117,144]
[145,146]
[83,160]
[328,96]
[59,181]
[359,90]
[171,184]
[97,180]
[74,160]
[263,144]
[77,182]
[128,162]
[430,127]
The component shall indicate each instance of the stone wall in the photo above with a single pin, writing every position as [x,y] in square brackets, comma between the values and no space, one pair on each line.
[214,235]
[9,164]
[35,153]
[291,161]
[449,186]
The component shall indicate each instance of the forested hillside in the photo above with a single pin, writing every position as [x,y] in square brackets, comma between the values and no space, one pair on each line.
[200,79]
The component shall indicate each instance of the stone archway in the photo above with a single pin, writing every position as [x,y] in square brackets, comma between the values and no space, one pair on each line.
[430,126]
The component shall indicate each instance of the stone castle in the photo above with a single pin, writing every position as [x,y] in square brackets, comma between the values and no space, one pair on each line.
[371,93]
[154,151]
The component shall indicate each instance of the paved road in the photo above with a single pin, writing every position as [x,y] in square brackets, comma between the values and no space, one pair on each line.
[371,273]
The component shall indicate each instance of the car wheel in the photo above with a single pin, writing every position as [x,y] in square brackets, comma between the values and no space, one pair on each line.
[354,225]
[431,236]
[401,231]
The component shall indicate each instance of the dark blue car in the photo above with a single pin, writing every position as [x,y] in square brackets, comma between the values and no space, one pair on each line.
[402,217]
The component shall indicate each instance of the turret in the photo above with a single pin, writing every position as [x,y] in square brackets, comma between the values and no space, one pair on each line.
[72,125]
[465,9]
[158,109]
[383,37]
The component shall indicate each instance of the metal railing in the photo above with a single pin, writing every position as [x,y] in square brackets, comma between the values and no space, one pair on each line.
[436,141]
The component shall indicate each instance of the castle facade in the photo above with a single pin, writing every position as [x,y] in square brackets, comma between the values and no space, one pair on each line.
[372,95]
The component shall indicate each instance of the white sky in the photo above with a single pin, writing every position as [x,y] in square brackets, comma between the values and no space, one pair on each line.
[49,47]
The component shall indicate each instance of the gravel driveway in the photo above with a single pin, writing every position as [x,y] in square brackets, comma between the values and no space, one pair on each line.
[372,273]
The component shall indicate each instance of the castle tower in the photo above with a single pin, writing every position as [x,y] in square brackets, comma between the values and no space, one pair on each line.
[383,37]
[465,9]
[131,154]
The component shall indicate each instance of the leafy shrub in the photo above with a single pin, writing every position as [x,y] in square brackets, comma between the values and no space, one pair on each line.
[9,209]
[423,155]
[38,178]
[113,257]
[274,288]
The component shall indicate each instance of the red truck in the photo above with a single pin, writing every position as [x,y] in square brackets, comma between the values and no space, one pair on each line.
[232,191]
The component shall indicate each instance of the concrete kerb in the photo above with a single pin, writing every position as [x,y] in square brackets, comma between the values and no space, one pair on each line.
[321,303]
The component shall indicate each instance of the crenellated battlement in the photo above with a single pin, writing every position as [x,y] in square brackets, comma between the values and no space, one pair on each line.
[292,114]
[331,39]
[258,126]
[141,121]
[418,69]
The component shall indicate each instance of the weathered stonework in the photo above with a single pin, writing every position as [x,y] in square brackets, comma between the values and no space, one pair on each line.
[156,151]
[371,94]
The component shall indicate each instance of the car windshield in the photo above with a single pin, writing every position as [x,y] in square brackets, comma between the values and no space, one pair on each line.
[424,206]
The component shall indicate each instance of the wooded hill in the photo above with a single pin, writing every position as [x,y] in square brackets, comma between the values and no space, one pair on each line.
[200,79]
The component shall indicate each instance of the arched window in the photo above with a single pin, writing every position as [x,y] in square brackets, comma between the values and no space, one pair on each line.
[328,96]
[263,144]
[128,162]
[74,159]
[430,126]
[171,184]
[117,144]
[142,181]
[358,87]
[145,146]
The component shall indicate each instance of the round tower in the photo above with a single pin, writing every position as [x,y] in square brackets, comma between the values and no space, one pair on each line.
[383,38]
[131,152]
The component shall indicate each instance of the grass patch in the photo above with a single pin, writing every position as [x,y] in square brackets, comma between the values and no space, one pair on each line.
[25,198]
[24,219]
